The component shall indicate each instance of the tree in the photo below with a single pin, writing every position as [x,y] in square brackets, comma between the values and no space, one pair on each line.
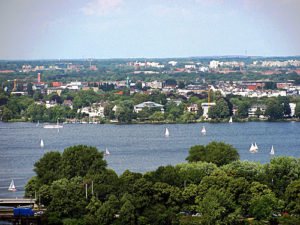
[263,206]
[157,116]
[292,197]
[274,111]
[124,112]
[81,160]
[243,109]
[48,168]
[6,114]
[36,112]
[217,207]
[280,172]
[220,110]
[68,198]
[215,152]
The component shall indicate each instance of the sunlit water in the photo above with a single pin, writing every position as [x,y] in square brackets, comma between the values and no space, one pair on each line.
[138,148]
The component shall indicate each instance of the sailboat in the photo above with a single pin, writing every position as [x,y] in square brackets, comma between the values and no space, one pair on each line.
[230,120]
[255,145]
[203,131]
[272,152]
[42,143]
[106,152]
[167,133]
[12,186]
[252,148]
[38,123]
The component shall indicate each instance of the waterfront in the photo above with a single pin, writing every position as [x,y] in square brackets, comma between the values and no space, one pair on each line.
[138,148]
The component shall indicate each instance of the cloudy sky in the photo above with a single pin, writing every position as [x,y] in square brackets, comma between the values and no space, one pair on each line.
[52,29]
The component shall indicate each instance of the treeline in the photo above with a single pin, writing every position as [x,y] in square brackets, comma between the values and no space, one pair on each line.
[214,187]
[120,106]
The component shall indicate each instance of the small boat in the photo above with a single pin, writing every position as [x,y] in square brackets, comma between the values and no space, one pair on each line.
[167,133]
[230,120]
[106,152]
[272,152]
[203,131]
[42,143]
[252,149]
[12,186]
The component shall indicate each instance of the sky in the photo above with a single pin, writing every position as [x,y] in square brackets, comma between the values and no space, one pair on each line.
[75,29]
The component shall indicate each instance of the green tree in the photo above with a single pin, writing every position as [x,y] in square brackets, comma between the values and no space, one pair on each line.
[215,152]
[292,197]
[5,114]
[48,168]
[218,207]
[274,111]
[243,109]
[280,172]
[36,112]
[68,198]
[220,110]
[157,116]
[81,160]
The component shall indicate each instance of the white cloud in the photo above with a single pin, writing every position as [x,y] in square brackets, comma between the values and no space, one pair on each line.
[101,7]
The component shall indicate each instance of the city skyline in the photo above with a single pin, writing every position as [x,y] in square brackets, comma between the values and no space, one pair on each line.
[153,29]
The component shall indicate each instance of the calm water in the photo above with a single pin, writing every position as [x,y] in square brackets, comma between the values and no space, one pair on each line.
[138,148]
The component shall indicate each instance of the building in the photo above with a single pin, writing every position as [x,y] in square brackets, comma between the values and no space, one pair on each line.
[205,106]
[293,109]
[151,105]
[253,110]
[96,110]
[193,108]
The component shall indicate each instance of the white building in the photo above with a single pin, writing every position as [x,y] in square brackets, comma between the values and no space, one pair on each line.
[96,110]
[205,106]
[293,108]
[140,107]
[172,63]
[214,64]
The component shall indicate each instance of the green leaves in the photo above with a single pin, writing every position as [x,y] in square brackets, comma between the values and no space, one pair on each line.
[215,152]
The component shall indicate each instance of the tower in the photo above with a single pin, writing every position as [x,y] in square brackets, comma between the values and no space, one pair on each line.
[39,78]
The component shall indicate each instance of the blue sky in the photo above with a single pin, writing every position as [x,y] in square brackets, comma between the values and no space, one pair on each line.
[52,29]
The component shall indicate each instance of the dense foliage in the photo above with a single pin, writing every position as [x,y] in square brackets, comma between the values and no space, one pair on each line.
[233,193]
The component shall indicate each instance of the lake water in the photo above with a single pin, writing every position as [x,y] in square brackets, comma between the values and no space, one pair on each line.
[138,148]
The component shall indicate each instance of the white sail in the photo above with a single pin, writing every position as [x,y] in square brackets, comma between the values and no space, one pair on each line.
[106,152]
[167,133]
[230,120]
[42,143]
[38,123]
[272,152]
[252,148]
[12,186]
[255,145]
[203,131]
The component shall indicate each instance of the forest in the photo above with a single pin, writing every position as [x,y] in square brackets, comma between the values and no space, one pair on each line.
[212,187]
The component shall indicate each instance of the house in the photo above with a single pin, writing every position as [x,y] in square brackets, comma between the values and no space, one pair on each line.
[205,106]
[151,105]
[192,108]
[95,110]
[252,111]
